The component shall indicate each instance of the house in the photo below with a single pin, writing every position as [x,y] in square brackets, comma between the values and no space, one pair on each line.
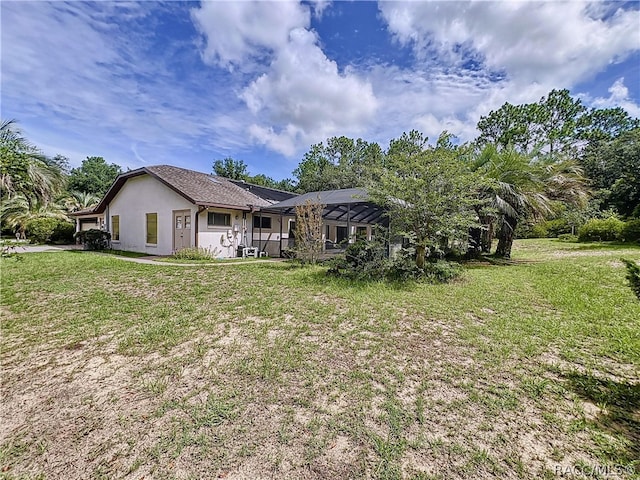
[87,219]
[161,209]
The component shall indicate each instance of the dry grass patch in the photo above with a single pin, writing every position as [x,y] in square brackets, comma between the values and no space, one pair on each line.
[118,370]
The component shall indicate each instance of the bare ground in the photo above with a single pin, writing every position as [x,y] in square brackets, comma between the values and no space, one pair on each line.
[418,404]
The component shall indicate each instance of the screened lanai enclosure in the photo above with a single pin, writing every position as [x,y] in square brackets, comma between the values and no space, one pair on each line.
[348,215]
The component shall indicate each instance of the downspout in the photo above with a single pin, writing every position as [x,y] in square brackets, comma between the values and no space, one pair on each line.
[200,210]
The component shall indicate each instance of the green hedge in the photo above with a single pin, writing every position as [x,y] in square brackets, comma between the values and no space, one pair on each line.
[39,230]
[601,230]
[94,239]
[631,231]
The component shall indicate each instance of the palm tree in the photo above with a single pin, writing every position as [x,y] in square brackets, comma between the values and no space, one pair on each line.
[521,185]
[81,201]
[23,170]
[16,212]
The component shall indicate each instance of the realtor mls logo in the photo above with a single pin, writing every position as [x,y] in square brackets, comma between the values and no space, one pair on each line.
[593,471]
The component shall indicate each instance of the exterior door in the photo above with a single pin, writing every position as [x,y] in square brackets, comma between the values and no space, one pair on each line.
[181,229]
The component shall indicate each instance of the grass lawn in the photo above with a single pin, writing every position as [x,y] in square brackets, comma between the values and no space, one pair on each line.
[112,369]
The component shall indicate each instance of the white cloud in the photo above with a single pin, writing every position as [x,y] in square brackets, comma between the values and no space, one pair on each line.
[619,98]
[305,96]
[301,97]
[544,42]
[113,79]
[89,77]
[239,31]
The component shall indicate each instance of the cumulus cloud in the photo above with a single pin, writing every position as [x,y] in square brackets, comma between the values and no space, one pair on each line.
[619,98]
[543,42]
[306,96]
[301,97]
[239,31]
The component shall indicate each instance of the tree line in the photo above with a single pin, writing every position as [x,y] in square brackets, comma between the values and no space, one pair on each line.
[551,160]
[554,160]
[38,192]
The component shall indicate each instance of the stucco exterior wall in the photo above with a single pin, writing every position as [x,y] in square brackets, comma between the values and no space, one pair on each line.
[224,240]
[139,196]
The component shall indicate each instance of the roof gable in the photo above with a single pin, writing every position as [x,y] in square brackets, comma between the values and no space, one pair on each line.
[197,187]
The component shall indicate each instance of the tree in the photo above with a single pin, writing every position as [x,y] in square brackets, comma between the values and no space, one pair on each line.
[265,181]
[77,201]
[230,168]
[340,162]
[614,169]
[556,125]
[428,193]
[59,161]
[23,168]
[518,186]
[16,213]
[605,124]
[308,231]
[550,125]
[94,176]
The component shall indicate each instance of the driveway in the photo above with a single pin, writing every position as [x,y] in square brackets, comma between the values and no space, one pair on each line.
[26,248]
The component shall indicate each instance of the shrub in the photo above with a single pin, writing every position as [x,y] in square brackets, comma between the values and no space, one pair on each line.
[196,253]
[556,227]
[567,237]
[368,261]
[94,239]
[539,230]
[362,260]
[63,232]
[633,275]
[39,230]
[601,230]
[631,231]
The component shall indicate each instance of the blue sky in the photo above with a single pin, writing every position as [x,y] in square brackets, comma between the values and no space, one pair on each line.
[186,83]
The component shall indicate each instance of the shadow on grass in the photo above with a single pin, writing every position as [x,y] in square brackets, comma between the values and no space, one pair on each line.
[493,261]
[605,246]
[620,414]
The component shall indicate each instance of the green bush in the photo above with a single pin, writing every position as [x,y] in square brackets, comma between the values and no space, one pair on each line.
[94,239]
[539,230]
[368,261]
[557,227]
[633,275]
[196,253]
[362,260]
[631,231]
[601,230]
[63,232]
[567,237]
[39,230]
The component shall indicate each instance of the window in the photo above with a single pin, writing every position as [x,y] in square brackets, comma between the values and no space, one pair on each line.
[266,222]
[152,228]
[218,219]
[115,228]
[361,233]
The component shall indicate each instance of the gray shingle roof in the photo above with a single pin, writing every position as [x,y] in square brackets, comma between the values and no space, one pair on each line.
[197,187]
[205,189]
